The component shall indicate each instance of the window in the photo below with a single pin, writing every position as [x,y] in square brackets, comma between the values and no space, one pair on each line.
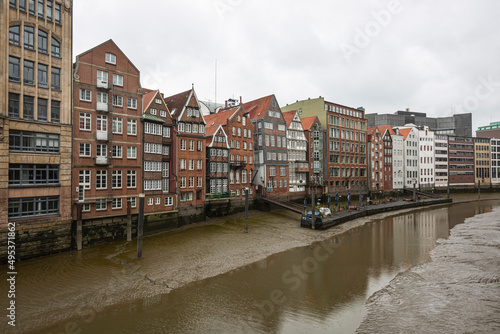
[29,72]
[101,150]
[117,151]
[110,58]
[100,204]
[163,113]
[199,182]
[84,149]
[29,37]
[199,164]
[191,145]
[200,145]
[117,125]
[132,201]
[102,76]
[56,48]
[117,80]
[131,178]
[55,79]
[166,132]
[183,144]
[191,164]
[116,203]
[183,182]
[49,10]
[42,109]
[150,201]
[24,174]
[85,95]
[57,13]
[13,105]
[14,35]
[152,111]
[43,79]
[118,101]
[132,103]
[101,179]
[43,42]
[84,179]
[186,197]
[116,179]
[169,201]
[183,163]
[32,7]
[85,119]
[14,69]
[102,123]
[132,127]
[131,152]
[158,200]
[41,8]
[28,107]
[33,206]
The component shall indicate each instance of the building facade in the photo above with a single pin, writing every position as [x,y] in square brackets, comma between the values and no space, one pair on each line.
[397,160]
[217,160]
[380,161]
[35,121]
[315,136]
[482,161]
[489,131]
[270,146]
[157,184]
[426,156]
[410,155]
[495,161]
[297,153]
[107,131]
[461,161]
[441,159]
[346,152]
[189,151]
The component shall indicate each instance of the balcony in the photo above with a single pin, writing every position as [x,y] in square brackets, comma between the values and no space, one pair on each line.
[237,164]
[102,106]
[101,135]
[102,161]
[102,84]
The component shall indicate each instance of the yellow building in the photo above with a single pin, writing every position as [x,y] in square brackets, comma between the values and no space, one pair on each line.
[35,119]
[482,158]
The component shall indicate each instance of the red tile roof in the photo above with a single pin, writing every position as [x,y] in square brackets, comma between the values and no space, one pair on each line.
[221,117]
[288,116]
[307,122]
[257,108]
[177,102]
[147,98]
[405,132]
[384,128]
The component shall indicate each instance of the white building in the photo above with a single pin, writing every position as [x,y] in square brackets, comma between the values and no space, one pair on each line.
[410,154]
[441,158]
[297,152]
[397,160]
[495,161]
[426,157]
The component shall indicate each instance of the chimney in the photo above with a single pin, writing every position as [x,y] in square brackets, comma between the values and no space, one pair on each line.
[241,100]
[226,103]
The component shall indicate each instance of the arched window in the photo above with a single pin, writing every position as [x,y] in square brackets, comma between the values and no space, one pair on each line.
[56,48]
[43,41]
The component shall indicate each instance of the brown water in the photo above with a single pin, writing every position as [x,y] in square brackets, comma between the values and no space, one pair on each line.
[321,288]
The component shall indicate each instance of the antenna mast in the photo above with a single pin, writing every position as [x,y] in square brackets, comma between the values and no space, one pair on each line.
[215,103]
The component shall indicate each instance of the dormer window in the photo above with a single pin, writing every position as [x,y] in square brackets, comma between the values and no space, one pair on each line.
[110,58]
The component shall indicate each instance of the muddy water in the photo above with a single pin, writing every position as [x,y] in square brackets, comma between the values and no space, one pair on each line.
[321,288]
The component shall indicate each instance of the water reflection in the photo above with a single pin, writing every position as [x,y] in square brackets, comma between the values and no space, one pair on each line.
[316,289]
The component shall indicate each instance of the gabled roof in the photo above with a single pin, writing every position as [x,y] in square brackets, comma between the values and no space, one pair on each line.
[152,118]
[288,116]
[147,99]
[405,132]
[258,108]
[384,128]
[221,117]
[307,122]
[176,103]
[211,131]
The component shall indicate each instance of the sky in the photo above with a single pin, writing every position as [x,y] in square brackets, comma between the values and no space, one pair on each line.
[438,57]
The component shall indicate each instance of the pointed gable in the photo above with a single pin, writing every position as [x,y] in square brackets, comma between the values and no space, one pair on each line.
[289,116]
[307,122]
[405,132]
[178,104]
[258,108]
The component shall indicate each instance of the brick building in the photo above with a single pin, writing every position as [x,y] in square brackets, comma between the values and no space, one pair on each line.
[238,128]
[217,160]
[380,165]
[158,185]
[297,153]
[35,127]
[107,131]
[489,131]
[270,146]
[315,135]
[461,161]
[441,158]
[189,151]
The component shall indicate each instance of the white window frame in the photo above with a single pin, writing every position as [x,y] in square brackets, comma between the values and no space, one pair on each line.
[85,95]
[87,153]
[132,127]
[131,152]
[110,58]
[117,80]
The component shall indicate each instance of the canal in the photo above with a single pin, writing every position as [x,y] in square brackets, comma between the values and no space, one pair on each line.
[320,288]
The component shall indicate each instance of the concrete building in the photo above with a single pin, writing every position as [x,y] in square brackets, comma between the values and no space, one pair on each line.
[35,127]
[461,161]
[482,161]
[270,146]
[495,161]
[489,131]
[457,125]
[441,158]
[107,131]
[189,151]
[346,154]
[158,184]
[315,136]
[397,160]
[426,156]
[297,153]
[410,154]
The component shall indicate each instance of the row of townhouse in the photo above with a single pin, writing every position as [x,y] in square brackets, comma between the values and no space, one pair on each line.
[405,156]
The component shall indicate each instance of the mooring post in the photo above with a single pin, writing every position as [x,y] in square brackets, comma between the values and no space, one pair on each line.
[79,227]
[414,194]
[313,210]
[140,225]
[129,221]
[479,189]
[448,186]
[246,210]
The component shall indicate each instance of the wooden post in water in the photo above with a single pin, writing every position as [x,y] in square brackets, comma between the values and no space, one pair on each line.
[129,221]
[79,245]
[448,185]
[246,210]
[140,225]
[313,210]
[414,194]
[479,189]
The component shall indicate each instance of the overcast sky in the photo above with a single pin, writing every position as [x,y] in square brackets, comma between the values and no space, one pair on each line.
[439,57]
